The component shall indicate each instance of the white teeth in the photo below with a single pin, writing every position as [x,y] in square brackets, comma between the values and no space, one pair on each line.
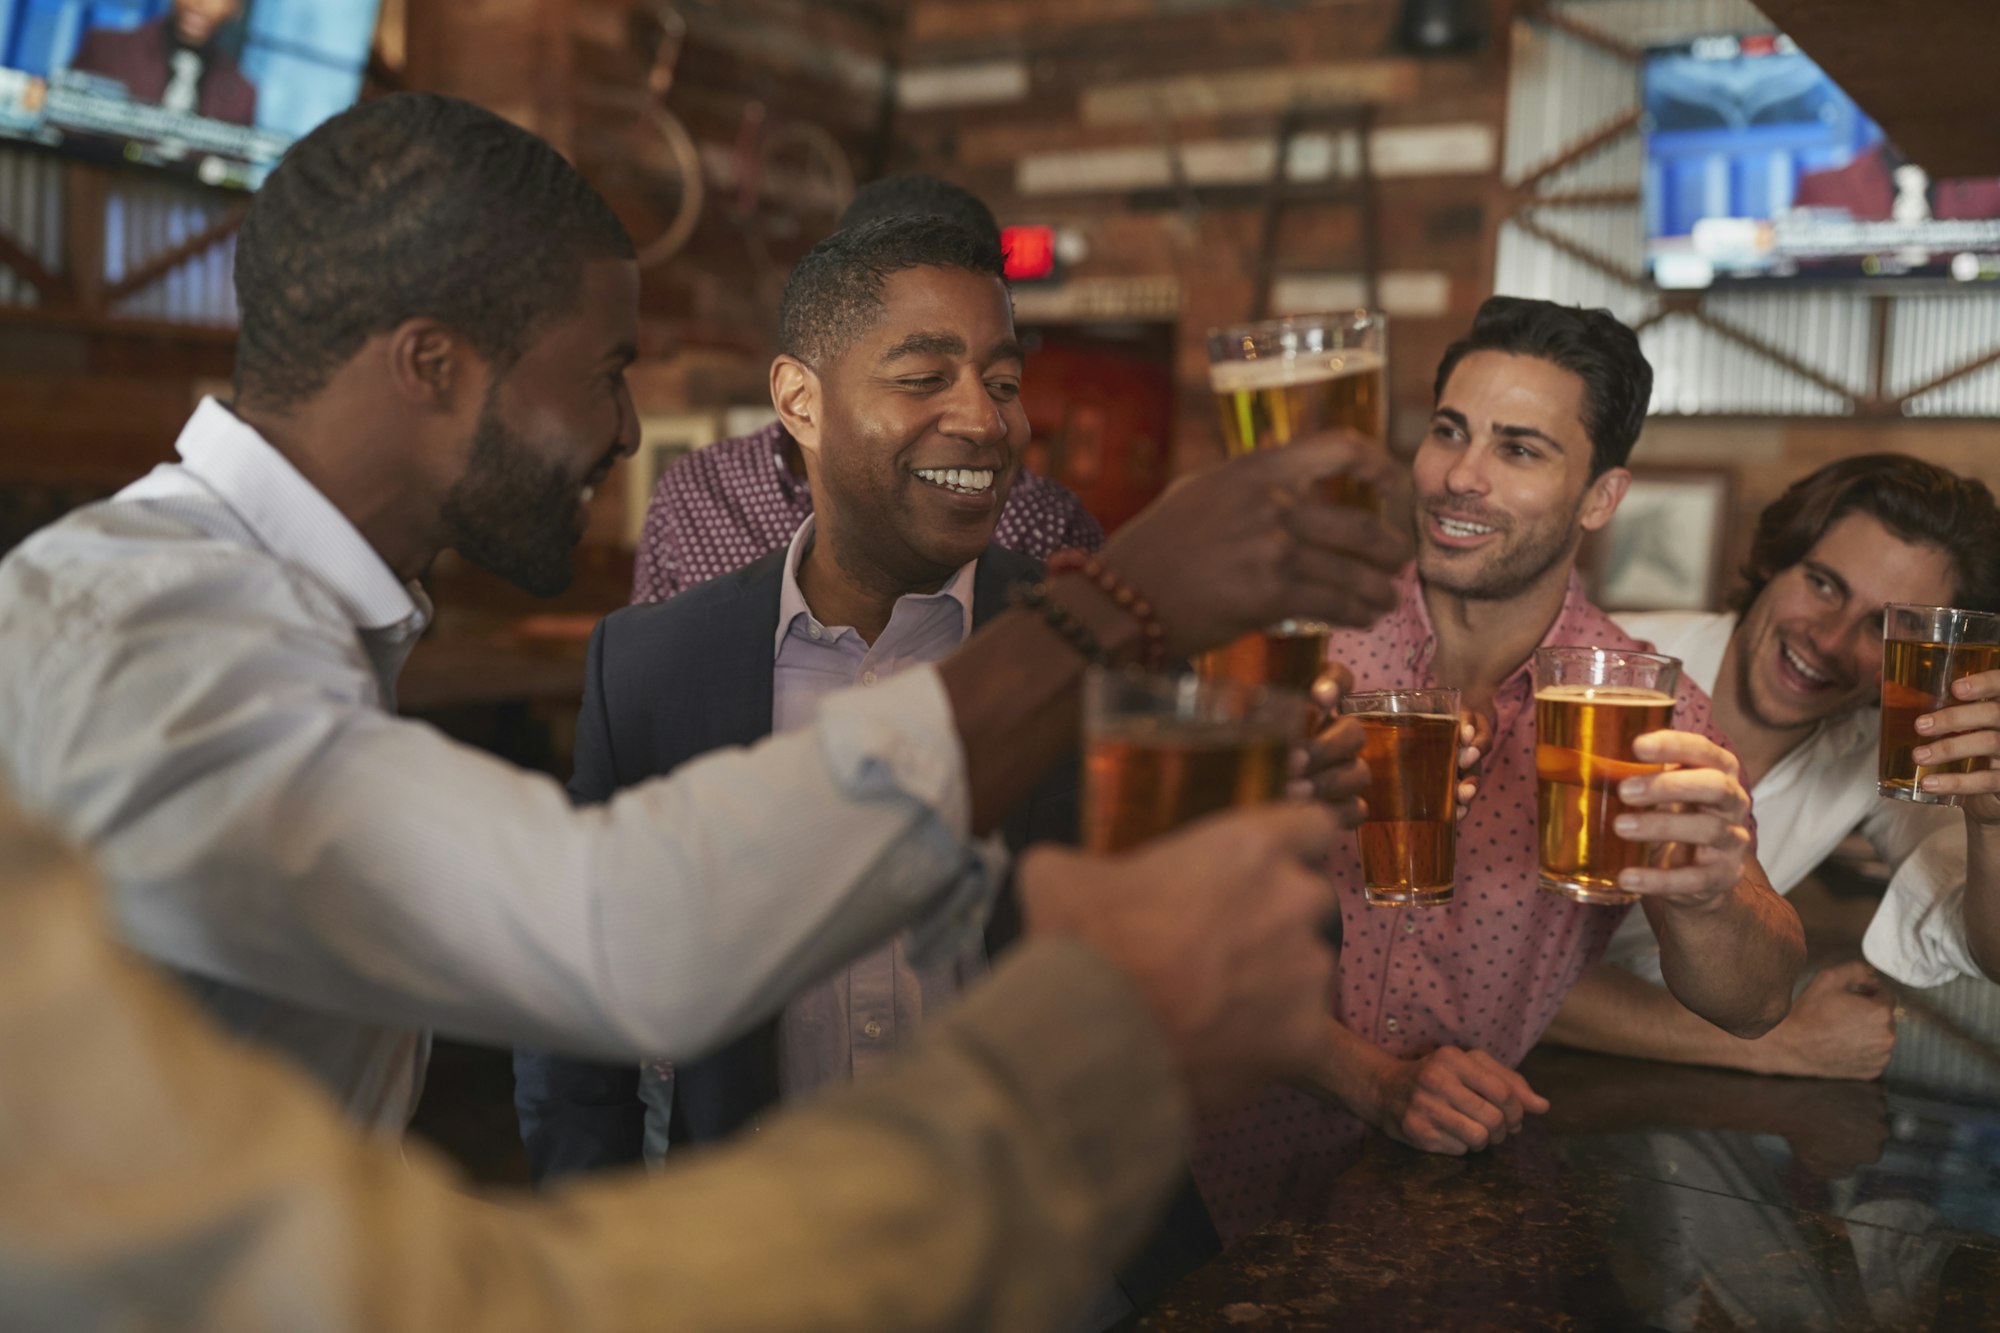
[968,481]
[1459,528]
[1798,665]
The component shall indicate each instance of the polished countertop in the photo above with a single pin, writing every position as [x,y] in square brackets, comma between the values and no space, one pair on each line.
[1656,1197]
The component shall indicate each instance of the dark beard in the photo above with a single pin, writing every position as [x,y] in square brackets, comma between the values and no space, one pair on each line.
[511,513]
[1521,570]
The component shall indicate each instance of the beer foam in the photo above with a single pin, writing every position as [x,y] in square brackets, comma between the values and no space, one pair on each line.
[1625,696]
[1282,372]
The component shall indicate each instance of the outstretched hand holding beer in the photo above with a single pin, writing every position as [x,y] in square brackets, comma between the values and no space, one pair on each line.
[1964,740]
[1218,927]
[1698,804]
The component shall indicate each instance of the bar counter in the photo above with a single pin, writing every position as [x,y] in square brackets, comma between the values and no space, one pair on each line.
[1655,1197]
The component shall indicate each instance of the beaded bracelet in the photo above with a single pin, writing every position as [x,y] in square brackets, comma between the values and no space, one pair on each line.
[1035,596]
[1070,560]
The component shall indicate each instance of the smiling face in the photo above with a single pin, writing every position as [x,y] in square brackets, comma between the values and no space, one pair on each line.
[1503,483]
[548,435]
[1810,646]
[913,433]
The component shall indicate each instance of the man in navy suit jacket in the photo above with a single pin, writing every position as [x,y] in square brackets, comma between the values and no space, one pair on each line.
[900,378]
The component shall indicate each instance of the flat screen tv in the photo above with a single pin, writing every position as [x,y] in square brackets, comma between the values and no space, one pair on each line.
[1758,168]
[215,89]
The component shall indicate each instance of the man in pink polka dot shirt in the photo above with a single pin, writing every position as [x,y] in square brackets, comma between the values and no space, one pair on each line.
[1536,412]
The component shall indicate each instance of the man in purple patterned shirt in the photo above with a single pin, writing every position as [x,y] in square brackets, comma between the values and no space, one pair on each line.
[738,499]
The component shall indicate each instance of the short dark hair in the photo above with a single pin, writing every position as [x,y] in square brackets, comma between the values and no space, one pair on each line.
[835,293]
[1590,344]
[1918,502]
[410,205]
[915,196]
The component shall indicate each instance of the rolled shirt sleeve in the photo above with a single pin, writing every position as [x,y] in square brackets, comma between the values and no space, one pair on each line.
[1918,933]
[265,824]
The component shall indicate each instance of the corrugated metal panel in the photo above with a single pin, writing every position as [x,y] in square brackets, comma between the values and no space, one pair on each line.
[1609,232]
[1976,395]
[1827,328]
[1928,335]
[1562,91]
[1616,166]
[1697,371]
[1529,266]
[31,215]
[1561,88]
[147,216]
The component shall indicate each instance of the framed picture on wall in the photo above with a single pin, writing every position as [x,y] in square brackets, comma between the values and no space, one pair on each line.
[1663,549]
[663,438]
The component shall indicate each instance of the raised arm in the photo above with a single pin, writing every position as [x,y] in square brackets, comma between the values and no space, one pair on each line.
[984,1182]
[1970,729]
[264,824]
[1731,948]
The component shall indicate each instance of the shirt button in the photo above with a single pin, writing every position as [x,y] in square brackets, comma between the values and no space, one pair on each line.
[867,678]
[871,1029]
[1409,925]
[815,631]
[1390,1024]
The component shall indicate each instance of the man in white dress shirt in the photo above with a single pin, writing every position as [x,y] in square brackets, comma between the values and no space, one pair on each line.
[1795,674]
[197,677]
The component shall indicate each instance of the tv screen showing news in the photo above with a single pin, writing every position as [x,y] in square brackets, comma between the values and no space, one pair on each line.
[1758,167]
[215,89]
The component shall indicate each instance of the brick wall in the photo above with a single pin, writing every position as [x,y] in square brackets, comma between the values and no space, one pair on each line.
[1147,127]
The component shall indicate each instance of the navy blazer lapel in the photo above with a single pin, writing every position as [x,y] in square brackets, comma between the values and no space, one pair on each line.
[733,661]
[993,580]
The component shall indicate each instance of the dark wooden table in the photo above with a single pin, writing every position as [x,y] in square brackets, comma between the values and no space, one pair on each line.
[1651,1197]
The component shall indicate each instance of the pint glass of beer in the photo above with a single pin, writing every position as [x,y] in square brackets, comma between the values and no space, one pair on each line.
[1408,844]
[1590,705]
[1925,649]
[1160,751]
[1282,379]
[1275,382]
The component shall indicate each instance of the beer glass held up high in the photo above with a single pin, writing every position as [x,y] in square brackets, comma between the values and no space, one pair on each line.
[1409,841]
[1590,705]
[1925,649]
[1160,751]
[1276,382]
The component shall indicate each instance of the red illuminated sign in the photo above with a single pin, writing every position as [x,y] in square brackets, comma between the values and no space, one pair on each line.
[1031,252]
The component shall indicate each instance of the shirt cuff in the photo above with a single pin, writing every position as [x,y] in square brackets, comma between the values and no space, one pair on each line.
[1918,934]
[899,737]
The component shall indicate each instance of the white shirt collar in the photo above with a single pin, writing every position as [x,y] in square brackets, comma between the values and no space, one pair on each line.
[792,601]
[290,516]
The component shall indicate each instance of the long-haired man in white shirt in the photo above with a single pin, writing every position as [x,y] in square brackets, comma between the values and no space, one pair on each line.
[1795,671]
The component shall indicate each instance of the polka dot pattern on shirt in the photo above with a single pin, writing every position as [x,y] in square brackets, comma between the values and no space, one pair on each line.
[1485,972]
[730,503]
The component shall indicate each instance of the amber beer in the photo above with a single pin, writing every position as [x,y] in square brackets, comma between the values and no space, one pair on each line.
[1925,649]
[1289,657]
[1409,841]
[1275,382]
[1268,404]
[1590,705]
[1161,751]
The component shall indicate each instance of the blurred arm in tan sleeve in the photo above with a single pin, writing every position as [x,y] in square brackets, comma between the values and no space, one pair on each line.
[153,1172]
